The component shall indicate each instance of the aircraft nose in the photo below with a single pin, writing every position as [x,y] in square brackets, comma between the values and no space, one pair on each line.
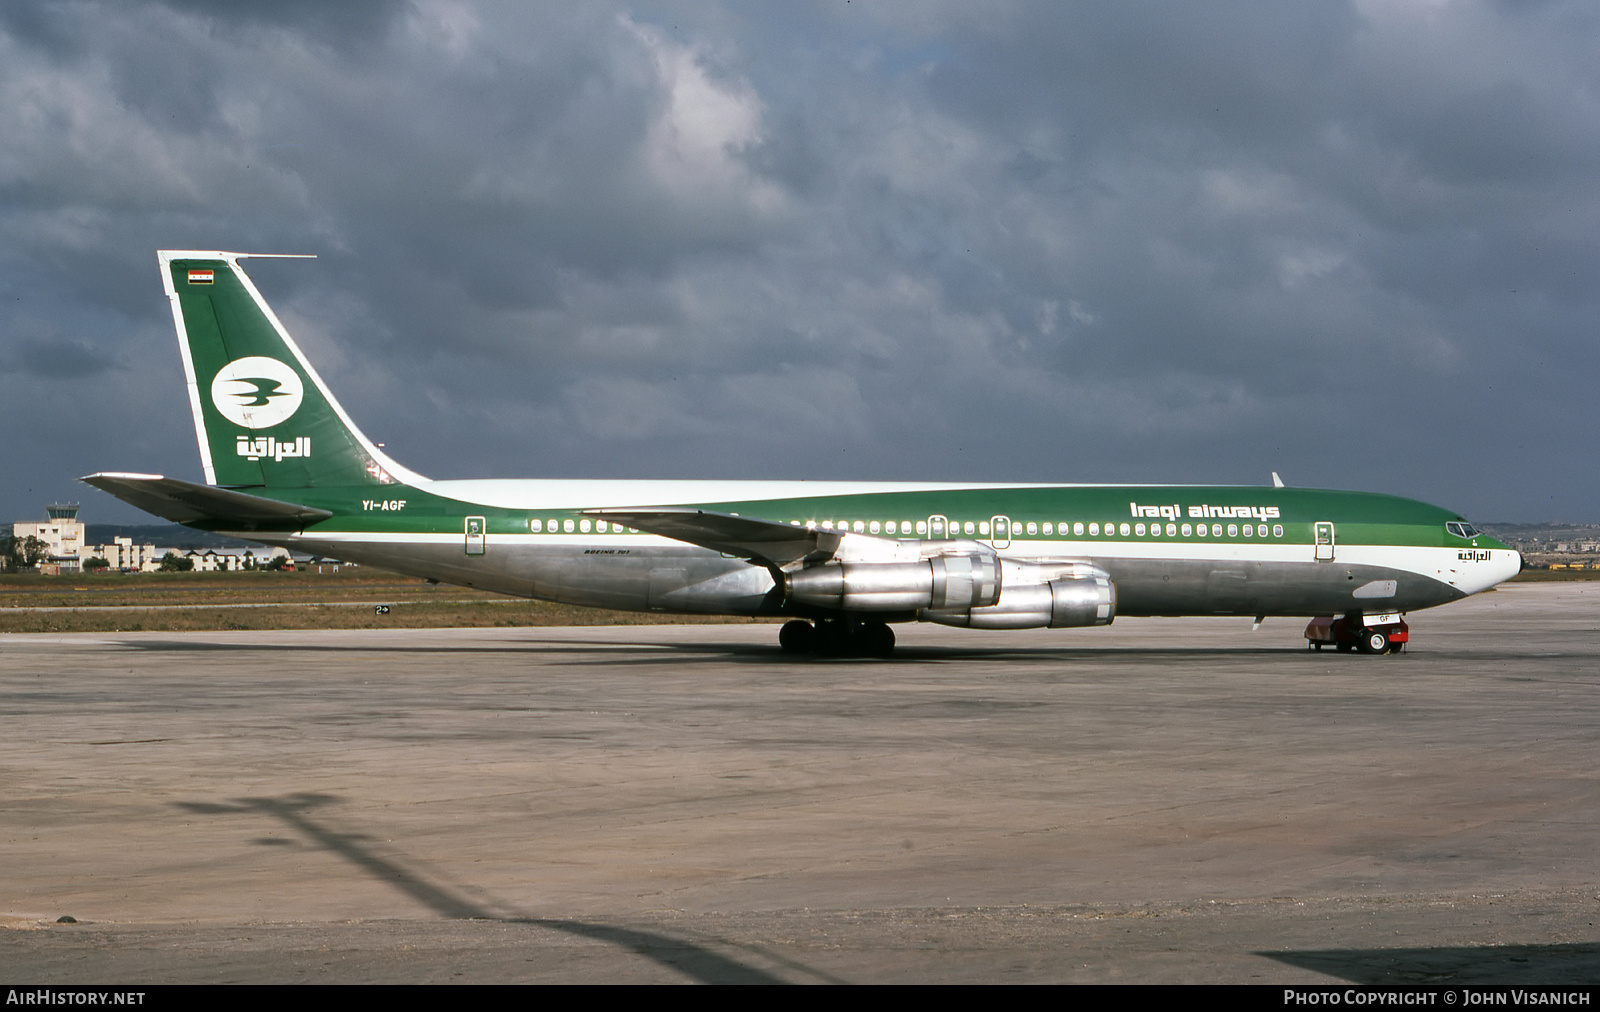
[1507,571]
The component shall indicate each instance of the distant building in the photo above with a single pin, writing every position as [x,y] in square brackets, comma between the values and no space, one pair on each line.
[62,533]
[217,560]
[122,554]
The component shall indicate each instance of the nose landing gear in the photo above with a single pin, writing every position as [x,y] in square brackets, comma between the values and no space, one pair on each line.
[1372,634]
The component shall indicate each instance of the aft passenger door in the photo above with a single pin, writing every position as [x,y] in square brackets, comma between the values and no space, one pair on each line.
[1322,533]
[937,528]
[477,535]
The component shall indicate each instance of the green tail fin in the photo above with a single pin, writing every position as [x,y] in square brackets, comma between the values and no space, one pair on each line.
[263,416]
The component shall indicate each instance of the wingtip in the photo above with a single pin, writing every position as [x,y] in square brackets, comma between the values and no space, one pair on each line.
[124,475]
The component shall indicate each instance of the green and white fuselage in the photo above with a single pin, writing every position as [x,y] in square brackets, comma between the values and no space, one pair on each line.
[286,466]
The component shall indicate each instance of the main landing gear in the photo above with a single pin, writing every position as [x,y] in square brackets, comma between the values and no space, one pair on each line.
[836,637]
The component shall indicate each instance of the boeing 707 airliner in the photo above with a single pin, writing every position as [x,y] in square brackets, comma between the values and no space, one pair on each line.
[285,465]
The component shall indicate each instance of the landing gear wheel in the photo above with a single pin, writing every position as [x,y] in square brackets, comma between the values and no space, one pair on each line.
[797,637]
[1374,641]
[875,639]
[832,639]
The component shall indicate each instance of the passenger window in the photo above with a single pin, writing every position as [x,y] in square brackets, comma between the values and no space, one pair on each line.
[1094,530]
[1200,529]
[860,528]
[1277,530]
[536,526]
[1138,529]
[1187,530]
[1261,531]
[983,527]
[1077,529]
[968,527]
[583,525]
[922,526]
[1248,530]
[873,527]
[1125,530]
[568,526]
[1172,529]
[1216,530]
[1033,528]
[602,526]
[1233,530]
[1050,528]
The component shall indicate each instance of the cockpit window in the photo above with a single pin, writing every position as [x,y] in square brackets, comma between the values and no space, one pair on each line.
[1462,529]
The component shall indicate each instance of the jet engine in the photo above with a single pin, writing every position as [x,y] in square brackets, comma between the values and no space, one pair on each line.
[958,581]
[1037,596]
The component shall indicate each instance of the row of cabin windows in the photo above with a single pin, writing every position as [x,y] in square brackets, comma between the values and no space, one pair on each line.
[969,527]
[1185,530]
[1079,529]
[578,527]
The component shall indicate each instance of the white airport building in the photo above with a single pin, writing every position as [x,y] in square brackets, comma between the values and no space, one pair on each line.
[62,533]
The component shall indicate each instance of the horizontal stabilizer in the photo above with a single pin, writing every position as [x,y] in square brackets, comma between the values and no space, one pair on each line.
[764,541]
[184,502]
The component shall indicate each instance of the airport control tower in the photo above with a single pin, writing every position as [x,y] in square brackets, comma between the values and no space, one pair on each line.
[61,532]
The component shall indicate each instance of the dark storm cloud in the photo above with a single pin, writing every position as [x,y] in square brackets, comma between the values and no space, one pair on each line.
[58,359]
[1148,241]
[339,23]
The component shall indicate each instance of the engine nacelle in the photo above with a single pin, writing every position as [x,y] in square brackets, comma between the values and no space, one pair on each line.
[958,581]
[1071,599]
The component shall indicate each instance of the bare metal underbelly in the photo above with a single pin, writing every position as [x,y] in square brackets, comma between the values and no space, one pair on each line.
[1200,587]
[695,580]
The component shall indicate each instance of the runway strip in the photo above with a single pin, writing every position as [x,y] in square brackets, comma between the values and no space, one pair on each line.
[1163,800]
[391,602]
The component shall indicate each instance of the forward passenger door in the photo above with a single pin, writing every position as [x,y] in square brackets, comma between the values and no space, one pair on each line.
[1322,533]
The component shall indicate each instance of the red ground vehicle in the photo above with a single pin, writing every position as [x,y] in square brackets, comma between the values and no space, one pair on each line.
[1370,634]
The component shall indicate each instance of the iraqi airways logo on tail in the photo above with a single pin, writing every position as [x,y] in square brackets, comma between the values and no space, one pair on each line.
[259,393]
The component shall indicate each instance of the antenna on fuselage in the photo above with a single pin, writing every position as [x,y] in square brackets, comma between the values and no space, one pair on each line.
[1277,482]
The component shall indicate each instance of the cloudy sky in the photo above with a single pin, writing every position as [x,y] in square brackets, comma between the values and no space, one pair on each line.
[1135,242]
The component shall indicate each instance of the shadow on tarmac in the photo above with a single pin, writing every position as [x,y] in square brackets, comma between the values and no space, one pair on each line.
[695,961]
[1543,965]
[657,652]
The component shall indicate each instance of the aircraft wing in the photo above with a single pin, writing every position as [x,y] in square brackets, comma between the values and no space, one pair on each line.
[764,541]
[185,502]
